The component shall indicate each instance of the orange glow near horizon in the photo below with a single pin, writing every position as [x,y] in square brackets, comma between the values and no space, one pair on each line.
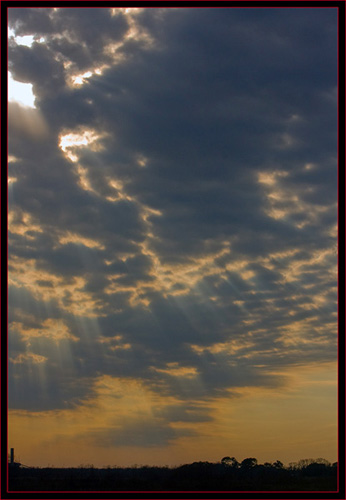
[253,422]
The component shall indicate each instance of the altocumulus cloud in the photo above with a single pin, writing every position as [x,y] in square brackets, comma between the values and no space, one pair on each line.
[174,220]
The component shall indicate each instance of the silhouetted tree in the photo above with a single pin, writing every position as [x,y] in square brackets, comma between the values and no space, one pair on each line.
[248,463]
[304,462]
[230,461]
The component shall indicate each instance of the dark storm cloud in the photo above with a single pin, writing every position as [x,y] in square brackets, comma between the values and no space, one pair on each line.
[117,226]
[218,97]
[188,140]
[41,390]
[29,21]
[36,65]
[93,26]
[85,34]
[22,304]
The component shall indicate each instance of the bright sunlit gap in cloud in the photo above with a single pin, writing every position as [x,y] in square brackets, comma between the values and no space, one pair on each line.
[26,40]
[78,139]
[20,92]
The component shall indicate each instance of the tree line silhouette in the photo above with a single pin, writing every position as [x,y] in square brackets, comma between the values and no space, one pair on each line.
[226,475]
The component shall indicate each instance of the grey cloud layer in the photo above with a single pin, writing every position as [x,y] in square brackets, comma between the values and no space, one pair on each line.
[216,98]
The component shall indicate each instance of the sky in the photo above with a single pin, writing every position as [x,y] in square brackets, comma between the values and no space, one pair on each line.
[172,242]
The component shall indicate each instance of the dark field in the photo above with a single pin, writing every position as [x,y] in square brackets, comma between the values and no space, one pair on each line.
[202,476]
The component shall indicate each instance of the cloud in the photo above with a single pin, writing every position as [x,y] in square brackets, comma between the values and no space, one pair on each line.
[174,213]
[185,413]
[143,433]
